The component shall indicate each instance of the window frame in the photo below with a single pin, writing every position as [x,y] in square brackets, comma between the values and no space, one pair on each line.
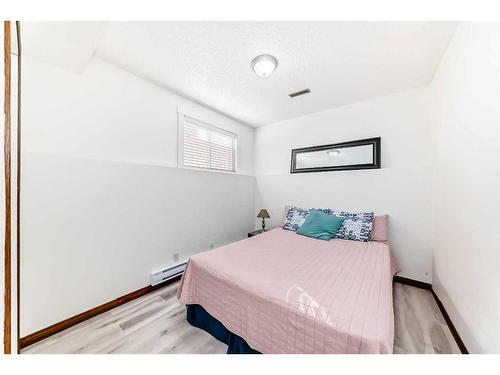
[195,120]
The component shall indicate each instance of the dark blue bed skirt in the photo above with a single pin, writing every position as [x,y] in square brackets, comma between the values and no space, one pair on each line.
[199,317]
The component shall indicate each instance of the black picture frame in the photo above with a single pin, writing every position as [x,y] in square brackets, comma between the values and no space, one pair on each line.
[362,142]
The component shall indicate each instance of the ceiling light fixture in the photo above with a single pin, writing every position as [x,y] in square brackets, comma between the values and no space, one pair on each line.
[333,153]
[264,65]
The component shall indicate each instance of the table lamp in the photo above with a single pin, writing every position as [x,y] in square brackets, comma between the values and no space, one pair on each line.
[264,215]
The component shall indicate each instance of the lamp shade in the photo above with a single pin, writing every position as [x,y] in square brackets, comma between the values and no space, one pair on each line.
[263,214]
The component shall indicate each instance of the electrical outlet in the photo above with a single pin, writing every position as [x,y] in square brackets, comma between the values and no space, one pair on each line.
[176,257]
[212,244]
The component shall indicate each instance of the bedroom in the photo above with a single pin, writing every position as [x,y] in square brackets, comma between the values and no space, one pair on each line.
[316,185]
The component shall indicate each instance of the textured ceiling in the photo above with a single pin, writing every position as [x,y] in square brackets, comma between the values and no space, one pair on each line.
[209,62]
[341,62]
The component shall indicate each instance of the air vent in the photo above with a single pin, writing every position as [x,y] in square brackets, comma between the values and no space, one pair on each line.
[297,93]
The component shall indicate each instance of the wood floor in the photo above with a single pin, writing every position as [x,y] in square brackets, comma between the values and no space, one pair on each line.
[156,323]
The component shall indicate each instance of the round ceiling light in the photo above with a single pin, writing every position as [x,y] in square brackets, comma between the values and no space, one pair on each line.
[264,65]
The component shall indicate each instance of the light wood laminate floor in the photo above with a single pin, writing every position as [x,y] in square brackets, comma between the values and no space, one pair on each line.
[156,323]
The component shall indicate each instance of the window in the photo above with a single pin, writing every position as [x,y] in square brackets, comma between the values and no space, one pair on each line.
[205,146]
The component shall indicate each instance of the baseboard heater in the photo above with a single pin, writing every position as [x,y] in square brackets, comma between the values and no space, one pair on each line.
[158,277]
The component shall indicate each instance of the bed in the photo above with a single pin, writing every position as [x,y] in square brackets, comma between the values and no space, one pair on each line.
[280,292]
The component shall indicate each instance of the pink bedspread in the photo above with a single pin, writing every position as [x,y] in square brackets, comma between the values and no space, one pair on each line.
[286,293]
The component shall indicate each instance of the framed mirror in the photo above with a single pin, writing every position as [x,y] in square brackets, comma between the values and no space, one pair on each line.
[361,154]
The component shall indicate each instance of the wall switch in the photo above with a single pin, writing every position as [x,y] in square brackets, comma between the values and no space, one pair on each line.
[176,257]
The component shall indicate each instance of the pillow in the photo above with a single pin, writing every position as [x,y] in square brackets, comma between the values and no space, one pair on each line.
[380,230]
[356,227]
[295,217]
[320,225]
[285,212]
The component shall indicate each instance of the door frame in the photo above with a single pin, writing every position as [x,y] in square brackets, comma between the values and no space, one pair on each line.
[7,149]
[7,323]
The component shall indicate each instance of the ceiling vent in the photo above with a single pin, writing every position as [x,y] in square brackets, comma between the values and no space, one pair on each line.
[298,93]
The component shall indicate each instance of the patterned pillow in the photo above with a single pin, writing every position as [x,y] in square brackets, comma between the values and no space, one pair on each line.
[295,217]
[356,227]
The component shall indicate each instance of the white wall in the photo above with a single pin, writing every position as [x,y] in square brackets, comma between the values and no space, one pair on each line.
[107,113]
[467,185]
[13,224]
[402,188]
[103,202]
[93,230]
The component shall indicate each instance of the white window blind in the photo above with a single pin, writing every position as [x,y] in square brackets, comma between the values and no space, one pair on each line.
[206,146]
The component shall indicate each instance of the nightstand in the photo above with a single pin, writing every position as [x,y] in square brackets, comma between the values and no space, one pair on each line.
[255,232]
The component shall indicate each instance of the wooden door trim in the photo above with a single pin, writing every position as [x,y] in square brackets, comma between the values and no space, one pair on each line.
[7,324]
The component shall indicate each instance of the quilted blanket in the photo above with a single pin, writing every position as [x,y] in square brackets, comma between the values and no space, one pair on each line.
[286,293]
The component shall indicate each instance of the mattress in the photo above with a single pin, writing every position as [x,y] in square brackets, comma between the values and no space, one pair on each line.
[286,293]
